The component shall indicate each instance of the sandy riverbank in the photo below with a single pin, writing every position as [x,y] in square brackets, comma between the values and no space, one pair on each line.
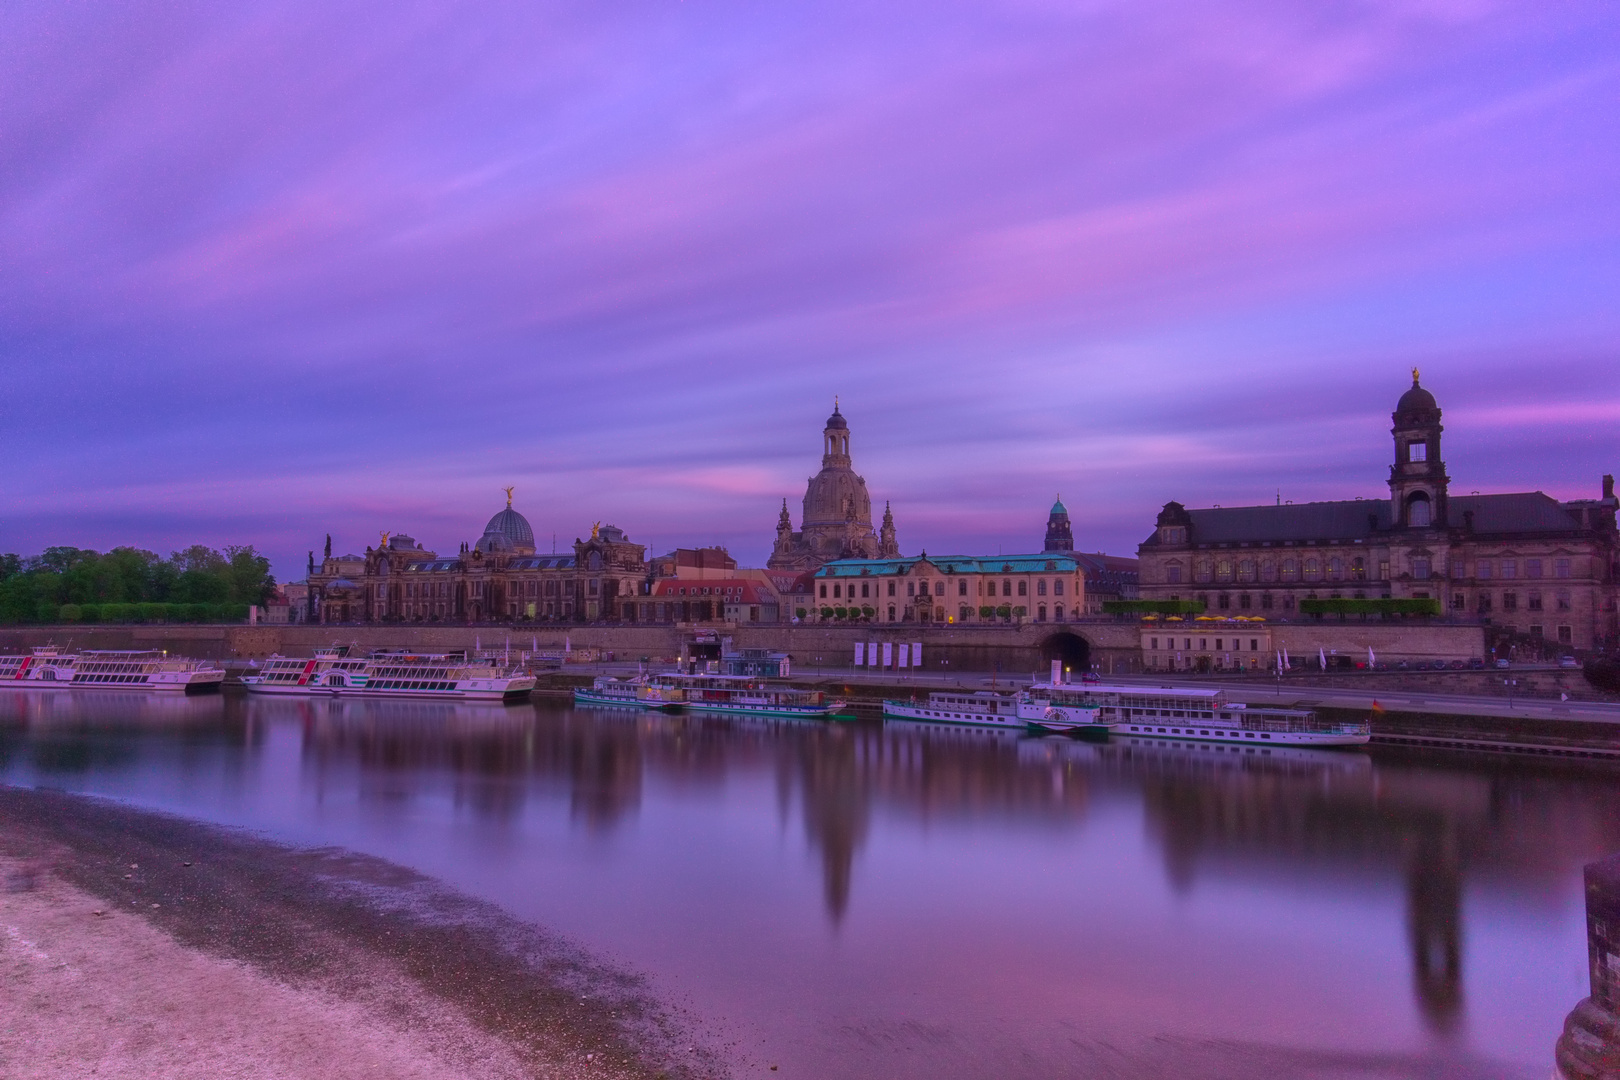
[136,945]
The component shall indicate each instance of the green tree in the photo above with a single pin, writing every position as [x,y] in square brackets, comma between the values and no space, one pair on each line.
[249,576]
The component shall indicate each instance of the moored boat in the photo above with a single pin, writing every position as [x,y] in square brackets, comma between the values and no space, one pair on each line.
[1057,709]
[1192,713]
[743,694]
[332,671]
[629,693]
[47,668]
[980,709]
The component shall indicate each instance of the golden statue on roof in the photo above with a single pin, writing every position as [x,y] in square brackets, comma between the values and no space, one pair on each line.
[384,540]
[508,491]
[1414,376]
[596,528]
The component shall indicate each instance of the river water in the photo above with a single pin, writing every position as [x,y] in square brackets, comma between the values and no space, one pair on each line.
[906,901]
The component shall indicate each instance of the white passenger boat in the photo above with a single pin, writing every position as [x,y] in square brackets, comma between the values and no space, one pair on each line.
[980,709]
[1202,715]
[332,671]
[743,694]
[1060,708]
[631,693]
[46,668]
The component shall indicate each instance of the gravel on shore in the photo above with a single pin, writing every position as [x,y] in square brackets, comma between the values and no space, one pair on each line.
[135,944]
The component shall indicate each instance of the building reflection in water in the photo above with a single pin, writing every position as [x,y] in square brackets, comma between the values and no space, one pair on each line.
[59,732]
[1425,823]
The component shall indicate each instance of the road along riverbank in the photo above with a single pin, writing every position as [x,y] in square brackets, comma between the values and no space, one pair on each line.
[136,944]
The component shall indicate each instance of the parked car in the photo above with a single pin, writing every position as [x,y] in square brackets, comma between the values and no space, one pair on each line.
[1504,663]
[1476,664]
[1568,661]
[1457,665]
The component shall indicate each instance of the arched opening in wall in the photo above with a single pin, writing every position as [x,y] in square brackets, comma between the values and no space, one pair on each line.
[1072,649]
[1417,511]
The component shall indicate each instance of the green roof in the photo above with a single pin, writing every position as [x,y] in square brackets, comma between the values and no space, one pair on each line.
[1047,563]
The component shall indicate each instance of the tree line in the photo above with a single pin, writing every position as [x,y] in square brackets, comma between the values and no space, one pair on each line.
[126,584]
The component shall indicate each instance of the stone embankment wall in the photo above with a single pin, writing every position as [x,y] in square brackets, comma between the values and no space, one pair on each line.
[1529,682]
[1110,646]
[1024,648]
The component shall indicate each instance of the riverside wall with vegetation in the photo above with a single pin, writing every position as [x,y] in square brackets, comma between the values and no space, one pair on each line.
[75,586]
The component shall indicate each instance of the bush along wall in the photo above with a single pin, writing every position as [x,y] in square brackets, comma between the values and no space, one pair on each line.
[1379,607]
[150,613]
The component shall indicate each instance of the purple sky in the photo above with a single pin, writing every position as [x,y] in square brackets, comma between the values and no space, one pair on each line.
[272,270]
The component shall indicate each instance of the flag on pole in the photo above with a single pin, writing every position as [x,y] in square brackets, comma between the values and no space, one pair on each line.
[860,654]
[888,654]
[1372,660]
[872,655]
[1287,664]
[916,654]
[905,655]
[1322,656]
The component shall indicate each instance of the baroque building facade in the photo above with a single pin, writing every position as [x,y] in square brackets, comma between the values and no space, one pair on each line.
[955,589]
[498,578]
[837,521]
[1524,562]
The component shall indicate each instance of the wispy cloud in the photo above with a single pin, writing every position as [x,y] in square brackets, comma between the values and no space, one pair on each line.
[277,269]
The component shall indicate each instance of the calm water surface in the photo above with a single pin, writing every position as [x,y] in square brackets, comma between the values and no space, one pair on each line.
[906,901]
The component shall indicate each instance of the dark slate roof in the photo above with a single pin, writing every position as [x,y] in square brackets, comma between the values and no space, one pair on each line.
[1099,565]
[1523,512]
[541,562]
[1526,512]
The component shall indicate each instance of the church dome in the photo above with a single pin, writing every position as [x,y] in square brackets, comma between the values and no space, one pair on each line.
[1416,399]
[836,420]
[1059,510]
[836,495]
[507,531]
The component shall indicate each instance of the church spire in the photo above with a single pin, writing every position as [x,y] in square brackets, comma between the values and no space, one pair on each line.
[888,547]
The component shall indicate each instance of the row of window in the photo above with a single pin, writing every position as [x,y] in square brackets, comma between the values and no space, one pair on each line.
[1203,644]
[1336,568]
[1510,601]
[530,588]
[986,588]
[1508,569]
[730,592]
